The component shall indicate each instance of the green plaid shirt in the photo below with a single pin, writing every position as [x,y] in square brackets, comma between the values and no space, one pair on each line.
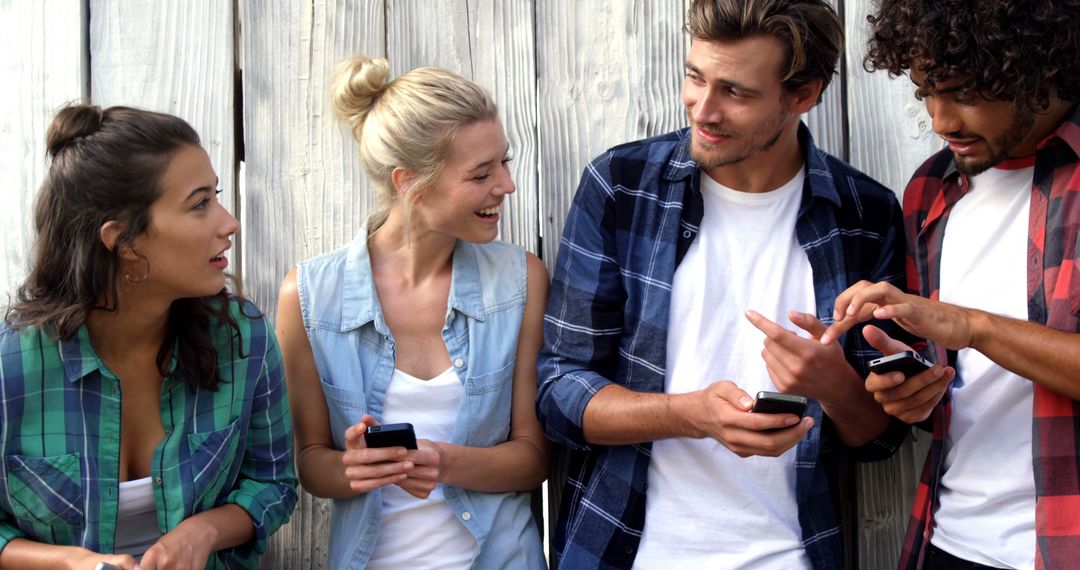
[60,441]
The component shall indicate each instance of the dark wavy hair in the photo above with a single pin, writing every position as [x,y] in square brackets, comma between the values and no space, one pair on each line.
[1006,50]
[108,165]
[809,30]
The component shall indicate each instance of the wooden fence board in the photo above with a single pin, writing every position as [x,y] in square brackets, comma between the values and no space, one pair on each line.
[43,56]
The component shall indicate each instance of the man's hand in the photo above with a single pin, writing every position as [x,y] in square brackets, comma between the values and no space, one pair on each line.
[722,412]
[800,365]
[910,399]
[945,324]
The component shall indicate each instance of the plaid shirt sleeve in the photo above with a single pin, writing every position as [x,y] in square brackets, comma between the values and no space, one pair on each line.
[584,320]
[266,487]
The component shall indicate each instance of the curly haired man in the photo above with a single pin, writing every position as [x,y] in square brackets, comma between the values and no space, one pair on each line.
[992,226]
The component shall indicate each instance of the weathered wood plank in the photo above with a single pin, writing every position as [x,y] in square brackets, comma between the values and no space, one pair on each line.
[43,64]
[172,56]
[826,119]
[889,136]
[609,72]
[305,189]
[492,43]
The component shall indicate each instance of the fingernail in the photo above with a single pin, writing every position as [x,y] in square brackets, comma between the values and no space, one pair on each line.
[897,378]
[938,372]
[792,421]
[851,309]
[745,401]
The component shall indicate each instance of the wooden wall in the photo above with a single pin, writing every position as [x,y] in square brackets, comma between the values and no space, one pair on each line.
[572,78]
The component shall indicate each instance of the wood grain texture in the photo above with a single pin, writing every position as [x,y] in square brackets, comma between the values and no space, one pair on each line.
[490,42]
[43,64]
[890,132]
[171,56]
[305,190]
[609,72]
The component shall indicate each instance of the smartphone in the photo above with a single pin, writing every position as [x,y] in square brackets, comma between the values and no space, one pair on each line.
[908,362]
[777,403]
[391,435]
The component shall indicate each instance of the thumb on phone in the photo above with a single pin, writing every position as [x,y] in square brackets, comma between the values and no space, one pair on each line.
[882,341]
[354,434]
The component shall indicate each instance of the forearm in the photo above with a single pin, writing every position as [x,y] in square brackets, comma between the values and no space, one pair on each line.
[619,416]
[24,554]
[322,473]
[517,465]
[857,417]
[1043,355]
[222,527]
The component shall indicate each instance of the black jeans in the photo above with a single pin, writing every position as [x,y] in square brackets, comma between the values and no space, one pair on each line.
[938,559]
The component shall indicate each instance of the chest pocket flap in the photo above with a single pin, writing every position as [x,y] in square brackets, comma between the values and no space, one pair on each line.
[46,490]
[213,461]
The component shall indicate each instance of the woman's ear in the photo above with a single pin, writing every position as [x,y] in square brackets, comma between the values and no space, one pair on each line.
[402,178]
[110,233]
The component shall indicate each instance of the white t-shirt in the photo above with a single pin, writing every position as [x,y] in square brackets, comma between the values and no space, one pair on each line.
[422,533]
[987,499]
[706,507]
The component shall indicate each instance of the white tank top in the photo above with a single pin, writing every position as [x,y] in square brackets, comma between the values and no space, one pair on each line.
[422,533]
[136,518]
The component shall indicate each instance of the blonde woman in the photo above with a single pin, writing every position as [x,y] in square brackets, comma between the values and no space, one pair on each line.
[423,319]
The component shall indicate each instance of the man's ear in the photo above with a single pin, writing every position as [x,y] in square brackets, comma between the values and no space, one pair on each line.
[110,232]
[805,96]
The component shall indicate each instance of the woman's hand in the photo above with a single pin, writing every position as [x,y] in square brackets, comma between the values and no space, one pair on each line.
[368,469]
[90,560]
[428,470]
[186,547]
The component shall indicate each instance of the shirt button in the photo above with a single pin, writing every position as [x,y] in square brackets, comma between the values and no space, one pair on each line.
[450,316]
[459,363]
[157,481]
[466,516]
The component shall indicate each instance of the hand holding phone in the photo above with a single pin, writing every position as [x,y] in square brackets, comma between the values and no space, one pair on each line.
[391,435]
[777,403]
[908,362]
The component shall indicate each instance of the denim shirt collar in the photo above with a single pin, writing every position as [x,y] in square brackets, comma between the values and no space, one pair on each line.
[360,301]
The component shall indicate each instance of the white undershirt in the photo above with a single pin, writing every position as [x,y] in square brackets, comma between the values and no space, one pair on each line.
[136,518]
[987,498]
[706,507]
[422,533]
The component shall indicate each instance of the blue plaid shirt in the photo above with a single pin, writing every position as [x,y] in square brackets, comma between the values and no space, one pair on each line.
[635,214]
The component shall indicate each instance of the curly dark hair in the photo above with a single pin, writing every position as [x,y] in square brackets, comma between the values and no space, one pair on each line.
[1006,50]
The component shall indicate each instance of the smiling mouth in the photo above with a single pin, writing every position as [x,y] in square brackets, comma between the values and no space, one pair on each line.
[487,213]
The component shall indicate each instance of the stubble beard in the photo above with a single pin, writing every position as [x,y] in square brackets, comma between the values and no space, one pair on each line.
[1001,148]
[700,150]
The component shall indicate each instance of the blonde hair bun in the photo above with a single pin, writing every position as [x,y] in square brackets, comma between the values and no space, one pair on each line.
[357,83]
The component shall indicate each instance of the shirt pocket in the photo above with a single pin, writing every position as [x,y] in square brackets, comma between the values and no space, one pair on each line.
[490,398]
[46,491]
[345,408]
[213,462]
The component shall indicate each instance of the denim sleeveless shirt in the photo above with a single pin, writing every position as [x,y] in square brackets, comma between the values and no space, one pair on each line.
[354,352]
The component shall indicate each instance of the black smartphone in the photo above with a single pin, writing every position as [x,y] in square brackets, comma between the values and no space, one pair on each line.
[777,403]
[907,362]
[391,435]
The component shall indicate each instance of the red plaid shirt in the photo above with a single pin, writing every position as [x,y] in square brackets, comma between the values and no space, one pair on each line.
[1053,272]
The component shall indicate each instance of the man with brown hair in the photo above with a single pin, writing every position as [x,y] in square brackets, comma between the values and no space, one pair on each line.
[681,255]
[992,225]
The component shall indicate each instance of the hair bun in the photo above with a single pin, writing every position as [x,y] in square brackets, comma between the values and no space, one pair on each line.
[357,83]
[72,123]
